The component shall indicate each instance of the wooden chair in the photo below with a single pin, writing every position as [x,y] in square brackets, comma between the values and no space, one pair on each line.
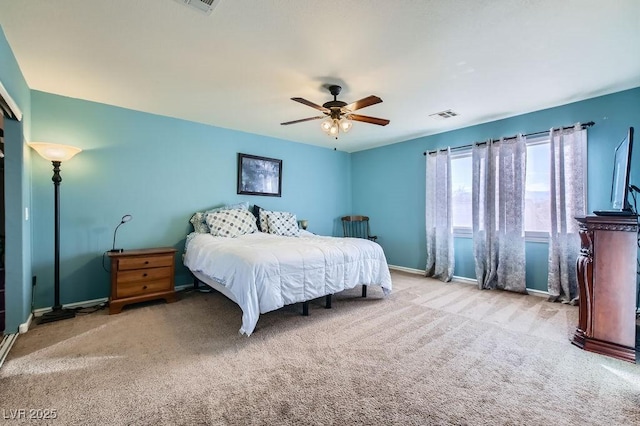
[357,227]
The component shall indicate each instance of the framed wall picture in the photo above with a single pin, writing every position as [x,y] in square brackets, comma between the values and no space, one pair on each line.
[259,175]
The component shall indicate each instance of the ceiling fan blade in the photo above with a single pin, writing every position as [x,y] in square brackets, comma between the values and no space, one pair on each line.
[362,103]
[367,119]
[302,120]
[311,104]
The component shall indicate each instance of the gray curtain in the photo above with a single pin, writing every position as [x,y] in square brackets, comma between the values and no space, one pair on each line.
[567,201]
[498,213]
[440,259]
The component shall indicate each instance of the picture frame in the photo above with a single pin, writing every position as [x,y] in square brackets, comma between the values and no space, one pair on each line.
[259,175]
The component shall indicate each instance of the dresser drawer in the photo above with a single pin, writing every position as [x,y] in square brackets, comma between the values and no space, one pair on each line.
[144,262]
[138,288]
[141,275]
[136,275]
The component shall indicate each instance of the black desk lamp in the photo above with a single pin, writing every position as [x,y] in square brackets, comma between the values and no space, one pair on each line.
[126,218]
[56,153]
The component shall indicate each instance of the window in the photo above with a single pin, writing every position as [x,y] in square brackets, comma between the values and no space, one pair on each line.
[537,191]
[537,196]
[461,184]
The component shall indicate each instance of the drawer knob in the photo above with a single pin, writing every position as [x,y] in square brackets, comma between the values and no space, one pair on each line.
[144,287]
[146,262]
[144,275]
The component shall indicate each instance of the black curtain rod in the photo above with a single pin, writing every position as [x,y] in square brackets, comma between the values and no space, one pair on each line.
[584,126]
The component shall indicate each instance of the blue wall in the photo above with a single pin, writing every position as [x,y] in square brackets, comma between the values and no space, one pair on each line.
[17,188]
[160,170]
[389,182]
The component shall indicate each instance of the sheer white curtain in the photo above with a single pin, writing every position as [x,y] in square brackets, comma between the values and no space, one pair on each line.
[568,148]
[499,171]
[440,260]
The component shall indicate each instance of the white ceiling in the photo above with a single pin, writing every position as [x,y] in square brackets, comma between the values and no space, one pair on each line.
[238,67]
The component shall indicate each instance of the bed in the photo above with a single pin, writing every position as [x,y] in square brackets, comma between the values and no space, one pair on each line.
[262,272]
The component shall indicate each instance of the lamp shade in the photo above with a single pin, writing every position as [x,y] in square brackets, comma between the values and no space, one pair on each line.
[335,128]
[54,151]
[346,124]
[326,124]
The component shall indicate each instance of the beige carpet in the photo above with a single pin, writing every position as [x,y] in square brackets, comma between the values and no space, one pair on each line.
[430,353]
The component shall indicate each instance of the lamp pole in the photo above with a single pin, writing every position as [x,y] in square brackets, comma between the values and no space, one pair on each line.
[56,153]
[58,312]
[56,259]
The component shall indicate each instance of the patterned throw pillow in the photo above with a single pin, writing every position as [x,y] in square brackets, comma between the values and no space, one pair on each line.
[198,220]
[231,223]
[199,225]
[283,223]
[264,224]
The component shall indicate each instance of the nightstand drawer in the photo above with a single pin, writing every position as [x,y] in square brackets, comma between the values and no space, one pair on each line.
[141,275]
[139,288]
[135,275]
[144,262]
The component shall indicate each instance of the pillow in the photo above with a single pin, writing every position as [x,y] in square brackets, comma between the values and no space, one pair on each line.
[238,206]
[264,224]
[199,224]
[198,220]
[283,223]
[231,223]
[256,212]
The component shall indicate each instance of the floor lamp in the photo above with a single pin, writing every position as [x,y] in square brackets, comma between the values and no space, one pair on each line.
[56,154]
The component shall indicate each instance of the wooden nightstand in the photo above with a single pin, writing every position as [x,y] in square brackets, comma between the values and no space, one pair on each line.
[141,275]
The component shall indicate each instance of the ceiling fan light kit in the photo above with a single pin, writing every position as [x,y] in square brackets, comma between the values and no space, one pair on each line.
[333,126]
[338,115]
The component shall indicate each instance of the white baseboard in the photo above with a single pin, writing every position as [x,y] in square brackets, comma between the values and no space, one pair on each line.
[5,346]
[183,287]
[404,269]
[538,293]
[84,304]
[465,280]
[421,272]
[24,327]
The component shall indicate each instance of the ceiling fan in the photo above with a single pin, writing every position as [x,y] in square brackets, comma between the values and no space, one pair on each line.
[339,115]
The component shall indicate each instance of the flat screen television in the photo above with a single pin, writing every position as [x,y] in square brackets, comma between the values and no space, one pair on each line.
[620,180]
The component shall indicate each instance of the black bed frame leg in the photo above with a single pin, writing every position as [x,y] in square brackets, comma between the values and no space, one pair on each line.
[305,308]
[364,290]
[327,304]
[196,282]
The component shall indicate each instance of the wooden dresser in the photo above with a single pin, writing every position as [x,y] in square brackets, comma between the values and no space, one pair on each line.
[141,275]
[607,282]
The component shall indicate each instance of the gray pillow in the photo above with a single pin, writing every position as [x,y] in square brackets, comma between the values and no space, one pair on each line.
[199,219]
[231,223]
[283,223]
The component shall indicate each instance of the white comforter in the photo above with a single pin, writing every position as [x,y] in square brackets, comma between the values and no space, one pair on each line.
[264,272]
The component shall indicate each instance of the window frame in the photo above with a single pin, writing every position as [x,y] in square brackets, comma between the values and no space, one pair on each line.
[462,231]
[529,236]
[538,236]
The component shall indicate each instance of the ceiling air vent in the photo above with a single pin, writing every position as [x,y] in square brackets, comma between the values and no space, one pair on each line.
[443,115]
[204,6]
